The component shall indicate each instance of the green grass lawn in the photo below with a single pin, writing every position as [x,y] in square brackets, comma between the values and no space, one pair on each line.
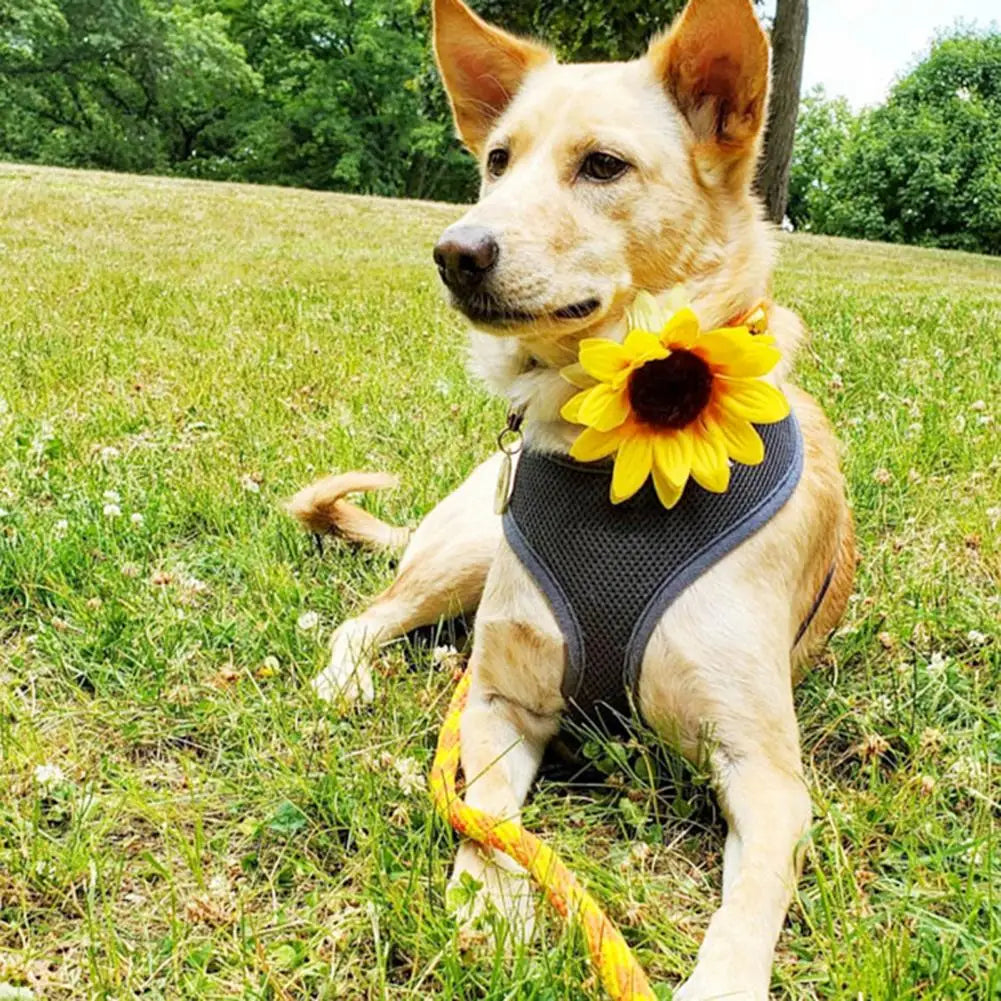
[181,819]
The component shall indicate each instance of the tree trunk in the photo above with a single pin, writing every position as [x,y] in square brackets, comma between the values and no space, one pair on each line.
[788,43]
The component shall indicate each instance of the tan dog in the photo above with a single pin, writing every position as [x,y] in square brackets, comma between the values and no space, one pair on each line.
[598,181]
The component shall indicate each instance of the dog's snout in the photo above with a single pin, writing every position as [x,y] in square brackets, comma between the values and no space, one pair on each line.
[464,256]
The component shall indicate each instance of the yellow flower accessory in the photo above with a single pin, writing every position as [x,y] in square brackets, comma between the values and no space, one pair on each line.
[672,400]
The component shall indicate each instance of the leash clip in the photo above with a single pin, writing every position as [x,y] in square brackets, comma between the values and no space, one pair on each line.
[510,442]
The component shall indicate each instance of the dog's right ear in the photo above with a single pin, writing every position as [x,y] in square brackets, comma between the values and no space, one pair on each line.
[481,66]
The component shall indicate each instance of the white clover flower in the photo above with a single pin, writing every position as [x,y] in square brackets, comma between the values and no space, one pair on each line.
[61,527]
[112,497]
[112,511]
[49,776]
[937,664]
[976,637]
[307,621]
[441,654]
[137,519]
[409,776]
[967,771]
[109,453]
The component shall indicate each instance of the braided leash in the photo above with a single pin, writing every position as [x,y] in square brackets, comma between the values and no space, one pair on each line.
[610,956]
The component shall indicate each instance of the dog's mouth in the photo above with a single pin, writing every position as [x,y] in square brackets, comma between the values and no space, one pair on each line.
[488,311]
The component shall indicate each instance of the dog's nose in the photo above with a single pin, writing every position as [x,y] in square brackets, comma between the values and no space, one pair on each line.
[464,256]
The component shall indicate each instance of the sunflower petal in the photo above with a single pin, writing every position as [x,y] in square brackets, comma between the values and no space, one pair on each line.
[570,411]
[682,330]
[632,466]
[645,313]
[751,399]
[710,467]
[668,493]
[593,445]
[602,359]
[736,354]
[742,442]
[606,407]
[577,376]
[642,346]
[672,456]
[674,300]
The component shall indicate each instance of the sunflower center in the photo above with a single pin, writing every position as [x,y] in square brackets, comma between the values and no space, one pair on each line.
[671,392]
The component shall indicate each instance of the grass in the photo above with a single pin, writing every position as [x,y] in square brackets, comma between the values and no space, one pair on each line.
[182,820]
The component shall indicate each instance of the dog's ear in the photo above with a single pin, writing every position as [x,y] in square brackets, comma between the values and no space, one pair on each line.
[481,66]
[714,63]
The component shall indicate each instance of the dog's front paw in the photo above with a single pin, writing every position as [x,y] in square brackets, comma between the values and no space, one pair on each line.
[347,679]
[492,901]
[726,971]
[707,987]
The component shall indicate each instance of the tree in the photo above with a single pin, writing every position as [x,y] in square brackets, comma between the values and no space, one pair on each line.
[923,168]
[824,133]
[120,84]
[788,45]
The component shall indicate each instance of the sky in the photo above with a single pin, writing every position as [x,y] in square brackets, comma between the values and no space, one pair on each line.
[856,48]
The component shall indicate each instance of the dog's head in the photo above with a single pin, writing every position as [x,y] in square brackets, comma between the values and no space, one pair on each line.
[599,179]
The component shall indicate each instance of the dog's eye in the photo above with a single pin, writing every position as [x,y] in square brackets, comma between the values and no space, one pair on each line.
[602,167]
[497,160]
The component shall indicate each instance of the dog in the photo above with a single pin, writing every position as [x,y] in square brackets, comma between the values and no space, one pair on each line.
[599,181]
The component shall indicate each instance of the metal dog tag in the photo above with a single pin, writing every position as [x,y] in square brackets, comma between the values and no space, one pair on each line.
[505,480]
[509,441]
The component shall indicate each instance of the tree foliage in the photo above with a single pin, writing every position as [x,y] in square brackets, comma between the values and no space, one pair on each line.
[338,94]
[923,168]
[123,84]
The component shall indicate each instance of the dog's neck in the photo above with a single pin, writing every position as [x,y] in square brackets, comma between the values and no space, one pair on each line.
[525,370]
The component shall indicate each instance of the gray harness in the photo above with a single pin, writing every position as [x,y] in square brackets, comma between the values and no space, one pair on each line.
[610,572]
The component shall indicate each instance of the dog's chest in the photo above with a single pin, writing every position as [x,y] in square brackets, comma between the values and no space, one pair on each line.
[609,572]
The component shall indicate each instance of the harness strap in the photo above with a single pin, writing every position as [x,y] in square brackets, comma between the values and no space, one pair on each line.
[817,602]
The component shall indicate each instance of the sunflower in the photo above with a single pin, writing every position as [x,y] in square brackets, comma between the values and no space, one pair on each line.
[673,401]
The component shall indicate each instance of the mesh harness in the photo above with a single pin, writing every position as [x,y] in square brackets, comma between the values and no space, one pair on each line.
[610,572]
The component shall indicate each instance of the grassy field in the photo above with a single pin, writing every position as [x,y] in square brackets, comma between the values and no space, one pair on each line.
[181,819]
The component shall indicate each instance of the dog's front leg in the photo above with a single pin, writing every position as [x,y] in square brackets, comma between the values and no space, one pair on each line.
[441,574]
[764,798]
[502,745]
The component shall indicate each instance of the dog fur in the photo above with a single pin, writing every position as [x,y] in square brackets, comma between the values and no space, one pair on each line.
[687,119]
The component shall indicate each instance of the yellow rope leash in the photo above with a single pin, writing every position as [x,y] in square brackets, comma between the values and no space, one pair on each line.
[610,956]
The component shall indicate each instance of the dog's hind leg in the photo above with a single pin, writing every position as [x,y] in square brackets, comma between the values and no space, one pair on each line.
[441,574]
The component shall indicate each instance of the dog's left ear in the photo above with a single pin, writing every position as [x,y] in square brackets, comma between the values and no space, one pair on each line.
[714,63]
[481,66]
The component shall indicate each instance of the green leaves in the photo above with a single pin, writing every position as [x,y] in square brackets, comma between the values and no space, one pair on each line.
[923,168]
[127,85]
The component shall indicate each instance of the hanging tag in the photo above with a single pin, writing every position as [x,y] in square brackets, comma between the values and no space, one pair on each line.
[502,494]
[509,441]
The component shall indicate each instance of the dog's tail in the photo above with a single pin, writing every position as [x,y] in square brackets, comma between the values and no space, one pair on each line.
[321,508]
